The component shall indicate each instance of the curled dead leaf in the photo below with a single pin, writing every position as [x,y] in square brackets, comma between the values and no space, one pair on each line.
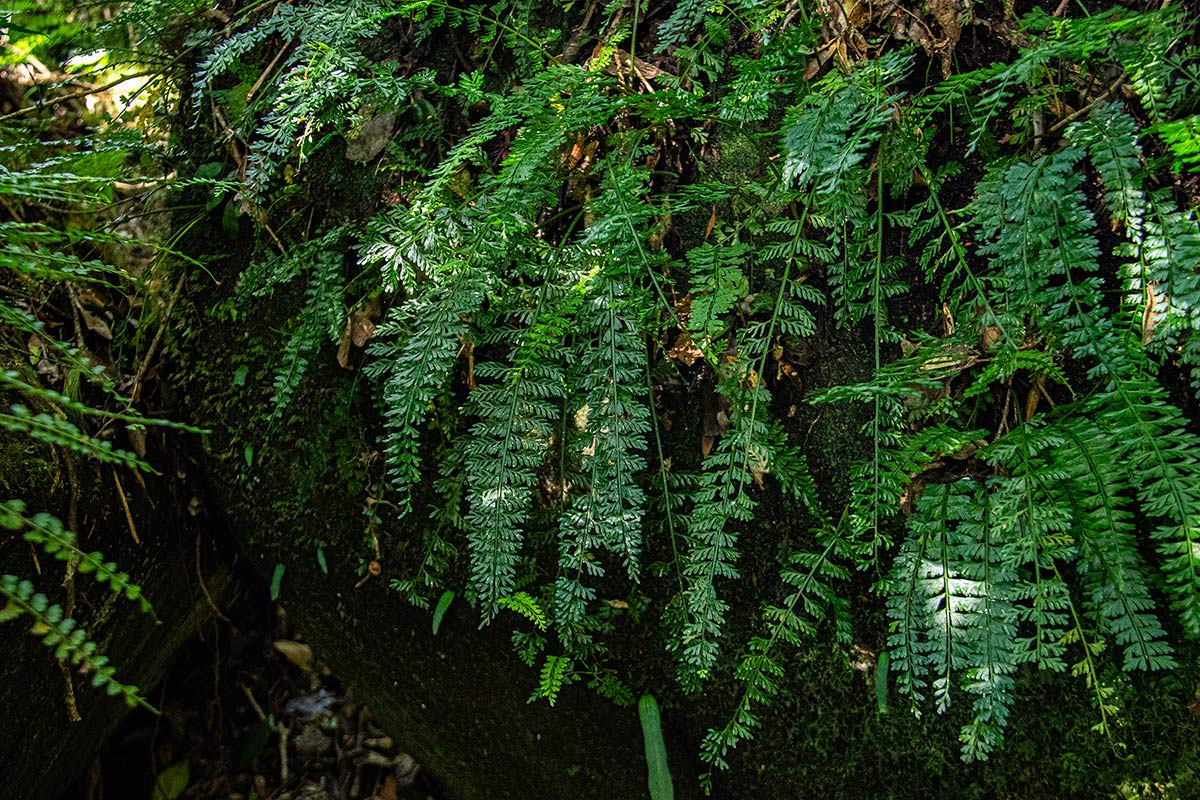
[95,323]
[684,350]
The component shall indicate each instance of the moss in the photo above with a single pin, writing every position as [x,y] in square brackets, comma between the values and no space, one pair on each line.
[26,468]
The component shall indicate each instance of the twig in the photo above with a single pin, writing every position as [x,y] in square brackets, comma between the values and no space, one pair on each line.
[576,41]
[253,703]
[69,584]
[125,506]
[162,325]
[204,587]
[1074,115]
[282,730]
[20,112]
[72,708]
[258,83]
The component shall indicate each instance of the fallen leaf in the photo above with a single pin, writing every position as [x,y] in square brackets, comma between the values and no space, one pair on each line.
[685,350]
[362,322]
[298,653]
[95,323]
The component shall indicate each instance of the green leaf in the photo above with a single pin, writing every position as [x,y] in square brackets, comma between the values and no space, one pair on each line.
[440,611]
[276,580]
[661,787]
[881,681]
[172,781]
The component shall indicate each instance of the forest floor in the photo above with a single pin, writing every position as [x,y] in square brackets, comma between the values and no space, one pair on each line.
[248,713]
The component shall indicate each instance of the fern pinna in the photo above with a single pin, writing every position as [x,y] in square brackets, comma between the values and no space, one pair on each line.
[573,239]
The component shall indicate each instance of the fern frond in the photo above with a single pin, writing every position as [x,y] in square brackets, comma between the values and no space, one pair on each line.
[612,424]
[1160,452]
[60,632]
[523,604]
[1036,523]
[827,135]
[63,433]
[1111,138]
[683,20]
[319,320]
[811,576]
[1108,549]
[48,532]
[517,406]
[415,369]
[721,501]
[556,673]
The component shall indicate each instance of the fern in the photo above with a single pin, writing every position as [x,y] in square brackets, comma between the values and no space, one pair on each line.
[320,320]
[951,602]
[70,642]
[549,283]
[612,422]
[527,607]
[684,18]
[556,673]
[1112,570]
[321,69]
[717,283]
[48,532]
[812,576]
[517,413]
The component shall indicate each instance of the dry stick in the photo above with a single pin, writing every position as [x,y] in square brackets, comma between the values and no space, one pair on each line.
[69,583]
[125,506]
[576,41]
[204,587]
[162,325]
[72,708]
[253,703]
[282,730]
[1074,115]
[258,83]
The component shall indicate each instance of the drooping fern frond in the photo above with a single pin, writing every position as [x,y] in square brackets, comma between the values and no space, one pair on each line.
[613,423]
[951,602]
[48,532]
[320,320]
[517,407]
[811,575]
[1108,550]
[721,502]
[1160,452]
[57,630]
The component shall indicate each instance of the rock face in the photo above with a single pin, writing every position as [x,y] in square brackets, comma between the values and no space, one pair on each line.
[41,749]
[457,700]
